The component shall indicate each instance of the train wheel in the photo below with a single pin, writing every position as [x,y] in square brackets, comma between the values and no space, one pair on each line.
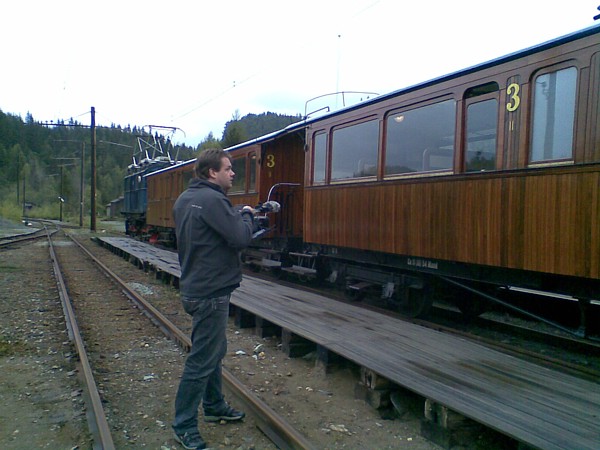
[415,302]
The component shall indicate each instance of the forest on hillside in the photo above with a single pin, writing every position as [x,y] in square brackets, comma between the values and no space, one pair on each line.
[40,164]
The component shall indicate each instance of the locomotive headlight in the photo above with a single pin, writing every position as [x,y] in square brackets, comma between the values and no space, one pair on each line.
[399,119]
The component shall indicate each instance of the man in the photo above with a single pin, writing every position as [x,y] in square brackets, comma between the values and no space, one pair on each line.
[210,234]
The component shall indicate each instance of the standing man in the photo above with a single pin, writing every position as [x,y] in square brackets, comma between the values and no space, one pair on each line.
[210,234]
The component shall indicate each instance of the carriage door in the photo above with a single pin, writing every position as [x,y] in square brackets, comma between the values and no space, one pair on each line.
[282,180]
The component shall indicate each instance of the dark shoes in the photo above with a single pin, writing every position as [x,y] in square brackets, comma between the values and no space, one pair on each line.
[229,414]
[190,441]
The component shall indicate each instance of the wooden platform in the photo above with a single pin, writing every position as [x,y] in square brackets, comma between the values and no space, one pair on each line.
[535,405]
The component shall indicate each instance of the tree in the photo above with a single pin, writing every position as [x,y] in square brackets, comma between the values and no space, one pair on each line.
[234,132]
[209,142]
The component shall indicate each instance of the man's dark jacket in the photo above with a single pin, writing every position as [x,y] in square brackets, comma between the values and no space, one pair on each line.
[210,234]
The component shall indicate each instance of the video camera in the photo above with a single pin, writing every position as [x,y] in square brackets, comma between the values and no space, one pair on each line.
[260,219]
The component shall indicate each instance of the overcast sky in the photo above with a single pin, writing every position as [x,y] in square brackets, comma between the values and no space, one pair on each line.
[192,64]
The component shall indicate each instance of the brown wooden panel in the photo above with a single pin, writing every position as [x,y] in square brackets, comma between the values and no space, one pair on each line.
[244,199]
[163,190]
[545,220]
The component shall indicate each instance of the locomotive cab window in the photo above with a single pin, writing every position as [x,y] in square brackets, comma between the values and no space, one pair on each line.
[553,115]
[421,139]
[354,151]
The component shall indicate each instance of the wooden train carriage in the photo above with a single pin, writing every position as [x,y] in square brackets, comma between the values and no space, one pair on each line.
[164,187]
[267,168]
[492,173]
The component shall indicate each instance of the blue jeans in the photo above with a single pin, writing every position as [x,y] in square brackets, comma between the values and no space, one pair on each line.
[201,379]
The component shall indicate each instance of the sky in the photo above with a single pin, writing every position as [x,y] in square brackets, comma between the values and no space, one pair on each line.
[195,64]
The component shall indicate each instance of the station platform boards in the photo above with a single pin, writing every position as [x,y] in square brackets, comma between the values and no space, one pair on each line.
[540,407]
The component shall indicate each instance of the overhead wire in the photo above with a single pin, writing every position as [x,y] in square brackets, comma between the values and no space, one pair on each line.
[263,69]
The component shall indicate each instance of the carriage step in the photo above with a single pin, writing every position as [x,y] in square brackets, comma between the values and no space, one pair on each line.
[299,270]
[361,286]
[264,262]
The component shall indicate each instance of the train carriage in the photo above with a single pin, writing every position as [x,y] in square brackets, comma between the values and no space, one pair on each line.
[472,184]
[491,174]
[269,168]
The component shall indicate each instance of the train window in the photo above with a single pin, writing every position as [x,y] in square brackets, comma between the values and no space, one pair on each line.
[319,157]
[553,115]
[252,173]
[354,151]
[482,90]
[482,123]
[239,180]
[421,139]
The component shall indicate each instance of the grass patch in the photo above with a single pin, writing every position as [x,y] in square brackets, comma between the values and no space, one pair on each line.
[8,348]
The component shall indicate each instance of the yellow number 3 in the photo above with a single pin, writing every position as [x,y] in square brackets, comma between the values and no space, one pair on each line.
[515,100]
[271,161]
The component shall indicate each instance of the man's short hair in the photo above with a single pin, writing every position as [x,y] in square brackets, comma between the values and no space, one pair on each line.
[210,158]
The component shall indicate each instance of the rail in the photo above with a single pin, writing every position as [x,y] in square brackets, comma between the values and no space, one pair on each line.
[99,428]
[272,425]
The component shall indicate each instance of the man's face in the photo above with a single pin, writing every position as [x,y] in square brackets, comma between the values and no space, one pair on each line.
[224,177]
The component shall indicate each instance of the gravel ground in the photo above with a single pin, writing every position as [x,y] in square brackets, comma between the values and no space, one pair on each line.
[40,395]
[42,402]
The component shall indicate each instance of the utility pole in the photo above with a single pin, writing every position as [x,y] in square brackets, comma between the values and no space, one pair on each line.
[18,181]
[93,184]
[81,185]
[61,198]
[23,195]
[81,169]
[93,174]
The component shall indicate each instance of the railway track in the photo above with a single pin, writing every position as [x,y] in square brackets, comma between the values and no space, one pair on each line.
[40,233]
[169,312]
[127,370]
[272,424]
[98,423]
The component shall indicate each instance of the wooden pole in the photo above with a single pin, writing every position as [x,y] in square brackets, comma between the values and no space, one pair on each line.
[81,167]
[93,181]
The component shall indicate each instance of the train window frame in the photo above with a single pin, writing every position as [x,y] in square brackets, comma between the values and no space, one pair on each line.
[371,119]
[252,165]
[413,107]
[476,100]
[554,69]
[325,158]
